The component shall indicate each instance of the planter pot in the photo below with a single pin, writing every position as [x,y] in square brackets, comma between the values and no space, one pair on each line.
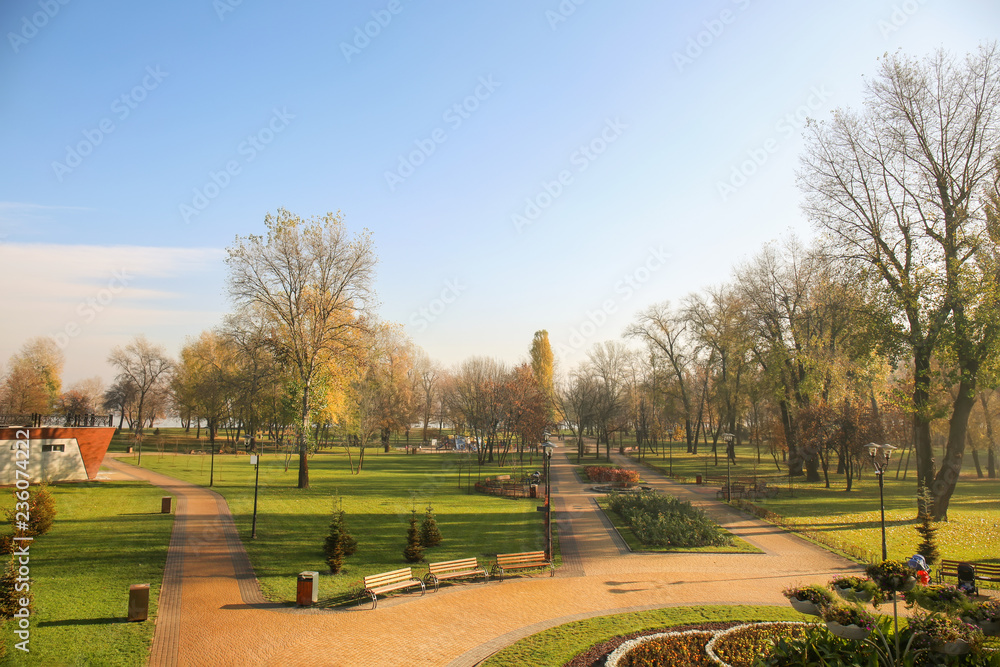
[893,583]
[805,606]
[847,631]
[953,648]
[989,628]
[852,595]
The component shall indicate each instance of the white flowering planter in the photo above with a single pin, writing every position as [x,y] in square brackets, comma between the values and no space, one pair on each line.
[805,606]
[953,648]
[852,595]
[848,631]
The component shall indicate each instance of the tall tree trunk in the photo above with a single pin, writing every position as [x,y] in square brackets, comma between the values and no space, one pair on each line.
[921,424]
[951,466]
[304,440]
[991,444]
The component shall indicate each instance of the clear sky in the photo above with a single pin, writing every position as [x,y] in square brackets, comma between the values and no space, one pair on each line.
[521,165]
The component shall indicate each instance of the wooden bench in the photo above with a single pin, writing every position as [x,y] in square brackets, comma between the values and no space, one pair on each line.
[390,581]
[984,571]
[453,569]
[520,561]
[737,491]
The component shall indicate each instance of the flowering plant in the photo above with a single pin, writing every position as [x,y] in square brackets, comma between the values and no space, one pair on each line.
[851,581]
[987,610]
[849,616]
[815,594]
[935,629]
[892,575]
[936,597]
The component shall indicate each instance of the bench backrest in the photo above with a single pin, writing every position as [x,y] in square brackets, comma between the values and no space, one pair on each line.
[394,577]
[451,565]
[514,559]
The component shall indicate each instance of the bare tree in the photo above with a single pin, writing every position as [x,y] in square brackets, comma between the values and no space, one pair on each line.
[309,286]
[902,187]
[667,332]
[145,367]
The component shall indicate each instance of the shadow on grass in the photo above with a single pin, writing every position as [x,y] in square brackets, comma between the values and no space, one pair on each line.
[84,621]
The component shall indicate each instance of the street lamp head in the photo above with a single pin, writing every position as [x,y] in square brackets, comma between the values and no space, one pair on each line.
[728,437]
[547,448]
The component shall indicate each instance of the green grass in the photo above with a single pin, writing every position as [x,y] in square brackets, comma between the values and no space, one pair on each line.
[106,537]
[560,644]
[852,518]
[292,523]
[739,546]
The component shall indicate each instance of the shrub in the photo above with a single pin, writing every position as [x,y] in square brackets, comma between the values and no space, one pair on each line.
[41,511]
[413,553]
[430,536]
[347,541]
[333,548]
[926,527]
[6,544]
[10,597]
[661,520]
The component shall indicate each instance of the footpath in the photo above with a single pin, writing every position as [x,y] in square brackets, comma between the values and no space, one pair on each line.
[211,611]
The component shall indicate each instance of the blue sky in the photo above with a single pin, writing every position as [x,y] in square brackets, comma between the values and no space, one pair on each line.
[521,165]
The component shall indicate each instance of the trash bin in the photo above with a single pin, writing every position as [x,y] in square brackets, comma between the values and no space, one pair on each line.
[534,490]
[165,505]
[307,590]
[138,602]
[697,479]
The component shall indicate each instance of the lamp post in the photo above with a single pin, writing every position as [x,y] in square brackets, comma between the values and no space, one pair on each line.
[728,437]
[880,462]
[255,460]
[547,448]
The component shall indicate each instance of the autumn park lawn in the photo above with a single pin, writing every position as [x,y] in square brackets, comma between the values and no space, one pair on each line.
[852,518]
[292,523]
[106,536]
[560,644]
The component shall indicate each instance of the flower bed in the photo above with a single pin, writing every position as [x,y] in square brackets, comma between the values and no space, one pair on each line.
[666,521]
[738,646]
[609,475]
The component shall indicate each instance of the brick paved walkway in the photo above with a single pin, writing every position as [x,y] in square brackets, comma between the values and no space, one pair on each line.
[211,611]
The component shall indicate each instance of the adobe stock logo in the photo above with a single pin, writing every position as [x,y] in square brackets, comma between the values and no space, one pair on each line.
[428,314]
[38,20]
[122,107]
[454,115]
[624,289]
[89,308]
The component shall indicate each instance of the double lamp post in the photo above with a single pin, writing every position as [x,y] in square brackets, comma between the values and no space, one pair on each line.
[880,462]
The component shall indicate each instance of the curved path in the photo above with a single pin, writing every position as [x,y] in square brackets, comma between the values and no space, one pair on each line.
[211,611]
